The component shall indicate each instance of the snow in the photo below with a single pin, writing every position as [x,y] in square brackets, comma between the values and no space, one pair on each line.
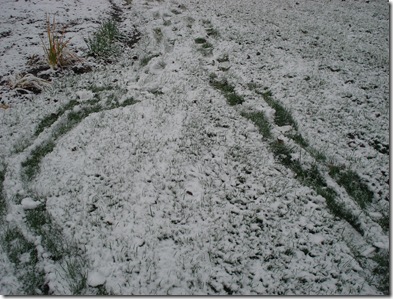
[95,279]
[178,193]
[29,204]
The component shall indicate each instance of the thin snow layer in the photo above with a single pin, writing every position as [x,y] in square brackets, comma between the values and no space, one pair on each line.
[23,24]
[178,193]
[326,63]
[161,208]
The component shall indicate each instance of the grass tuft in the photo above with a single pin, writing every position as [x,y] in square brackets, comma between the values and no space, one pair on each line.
[228,91]
[77,276]
[200,40]
[103,43]
[353,184]
[57,52]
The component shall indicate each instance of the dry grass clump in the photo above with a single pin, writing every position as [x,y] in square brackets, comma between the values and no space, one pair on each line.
[57,52]
[27,83]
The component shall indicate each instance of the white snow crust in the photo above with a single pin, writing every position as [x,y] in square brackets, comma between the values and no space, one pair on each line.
[179,194]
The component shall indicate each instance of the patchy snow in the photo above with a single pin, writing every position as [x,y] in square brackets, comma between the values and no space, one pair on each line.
[178,193]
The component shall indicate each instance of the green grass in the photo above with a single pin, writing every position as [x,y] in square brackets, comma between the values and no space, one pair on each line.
[384,222]
[284,155]
[103,43]
[314,179]
[145,60]
[50,119]
[212,32]
[338,209]
[283,116]
[99,89]
[127,102]
[40,221]
[16,247]
[31,165]
[261,122]
[200,40]
[318,155]
[228,91]
[37,218]
[311,177]
[77,276]
[205,47]
[353,184]
[46,122]
[74,118]
[52,239]
[298,138]
[382,271]
[158,35]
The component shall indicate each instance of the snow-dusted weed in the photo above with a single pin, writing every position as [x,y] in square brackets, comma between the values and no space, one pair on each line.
[27,83]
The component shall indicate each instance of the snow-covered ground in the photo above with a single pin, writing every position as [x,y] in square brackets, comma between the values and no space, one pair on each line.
[178,193]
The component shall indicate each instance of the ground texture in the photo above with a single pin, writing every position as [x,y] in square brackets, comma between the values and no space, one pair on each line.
[147,175]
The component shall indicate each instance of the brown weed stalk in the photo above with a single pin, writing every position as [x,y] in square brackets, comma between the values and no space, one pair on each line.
[57,52]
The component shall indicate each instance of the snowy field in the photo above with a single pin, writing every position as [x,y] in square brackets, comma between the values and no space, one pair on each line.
[230,148]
